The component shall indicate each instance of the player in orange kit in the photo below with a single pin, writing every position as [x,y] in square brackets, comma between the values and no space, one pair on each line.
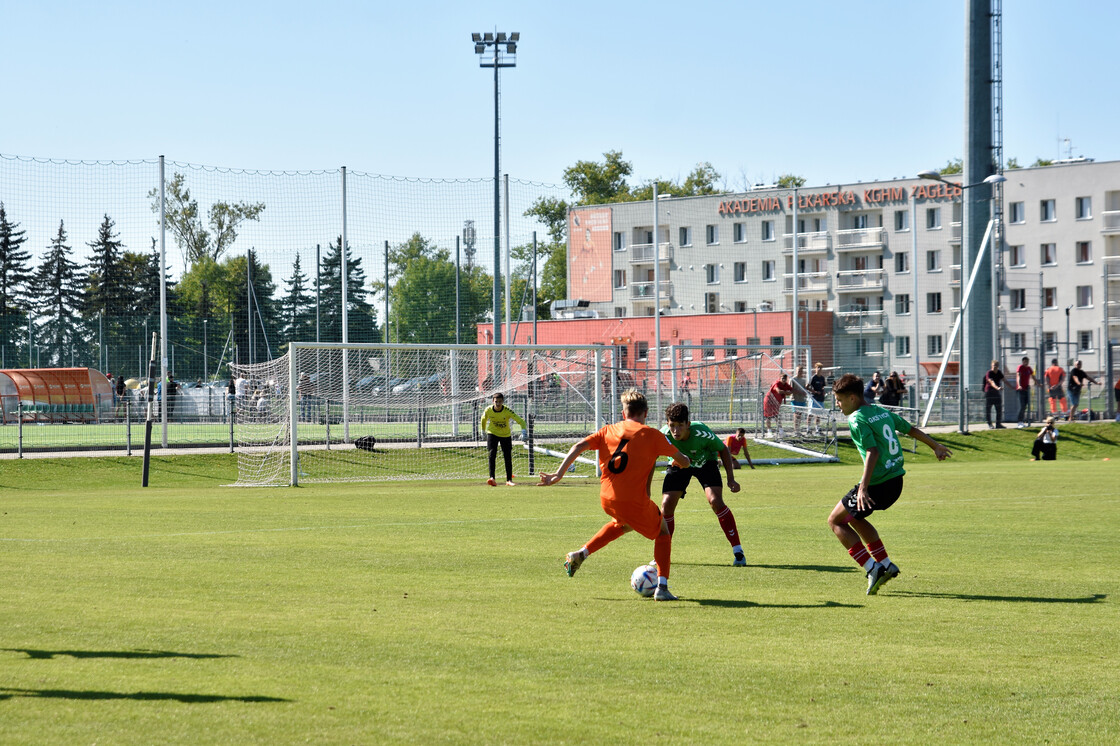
[628,452]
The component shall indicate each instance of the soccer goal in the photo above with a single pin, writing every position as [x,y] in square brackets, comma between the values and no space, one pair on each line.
[731,385]
[331,412]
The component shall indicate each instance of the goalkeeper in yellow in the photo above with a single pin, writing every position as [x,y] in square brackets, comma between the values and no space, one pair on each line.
[495,423]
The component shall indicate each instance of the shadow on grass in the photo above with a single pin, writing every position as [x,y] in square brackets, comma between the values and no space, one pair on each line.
[1015,599]
[797,568]
[140,654]
[80,695]
[725,603]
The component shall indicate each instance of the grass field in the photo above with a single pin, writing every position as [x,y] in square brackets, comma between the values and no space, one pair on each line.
[437,612]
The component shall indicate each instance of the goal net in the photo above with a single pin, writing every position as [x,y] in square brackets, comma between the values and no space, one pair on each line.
[733,386]
[368,412]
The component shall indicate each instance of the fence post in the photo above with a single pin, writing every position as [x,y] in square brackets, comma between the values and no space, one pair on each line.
[231,409]
[530,420]
[127,425]
[19,419]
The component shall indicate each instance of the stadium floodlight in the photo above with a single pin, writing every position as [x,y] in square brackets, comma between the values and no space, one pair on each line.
[497,50]
[476,38]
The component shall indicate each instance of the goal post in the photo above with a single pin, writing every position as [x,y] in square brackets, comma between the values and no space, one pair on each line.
[335,412]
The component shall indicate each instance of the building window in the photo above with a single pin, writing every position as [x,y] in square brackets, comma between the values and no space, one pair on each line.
[1049,297]
[686,349]
[754,342]
[767,230]
[1083,208]
[708,350]
[1084,296]
[641,351]
[731,350]
[902,263]
[619,311]
[1083,250]
[902,304]
[619,278]
[685,236]
[1018,299]
[740,271]
[740,306]
[933,260]
[902,346]
[666,354]
[1017,213]
[711,302]
[1046,210]
[712,233]
[1048,253]
[711,274]
[1016,256]
[933,218]
[739,232]
[768,270]
[649,237]
[1050,341]
[1018,341]
[933,344]
[933,302]
[902,220]
[859,222]
[619,241]
[1085,341]
[776,345]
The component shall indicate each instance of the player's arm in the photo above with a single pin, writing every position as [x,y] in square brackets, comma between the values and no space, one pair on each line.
[939,450]
[863,499]
[548,479]
[728,467]
[680,460]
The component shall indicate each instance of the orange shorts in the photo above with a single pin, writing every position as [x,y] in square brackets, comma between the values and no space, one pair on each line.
[645,517]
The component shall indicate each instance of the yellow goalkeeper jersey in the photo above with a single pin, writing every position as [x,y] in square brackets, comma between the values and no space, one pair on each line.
[498,422]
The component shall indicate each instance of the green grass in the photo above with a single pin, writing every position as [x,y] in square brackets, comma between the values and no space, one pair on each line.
[437,612]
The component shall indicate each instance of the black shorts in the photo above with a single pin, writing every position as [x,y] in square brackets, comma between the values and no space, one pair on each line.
[677,479]
[883,495]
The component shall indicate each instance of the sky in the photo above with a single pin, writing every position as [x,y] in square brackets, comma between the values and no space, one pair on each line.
[834,92]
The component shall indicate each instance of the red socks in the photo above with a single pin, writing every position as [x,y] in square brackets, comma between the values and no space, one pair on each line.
[727,523]
[860,554]
[877,550]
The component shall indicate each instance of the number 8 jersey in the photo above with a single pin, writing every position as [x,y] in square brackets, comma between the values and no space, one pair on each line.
[628,451]
[875,427]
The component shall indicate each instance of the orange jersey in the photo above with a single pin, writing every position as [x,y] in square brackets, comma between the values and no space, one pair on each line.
[735,444]
[1054,375]
[628,452]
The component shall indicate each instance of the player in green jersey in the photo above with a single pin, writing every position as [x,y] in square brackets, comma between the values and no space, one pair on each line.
[704,449]
[874,432]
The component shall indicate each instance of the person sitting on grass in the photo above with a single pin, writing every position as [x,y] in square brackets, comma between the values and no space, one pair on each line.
[1046,442]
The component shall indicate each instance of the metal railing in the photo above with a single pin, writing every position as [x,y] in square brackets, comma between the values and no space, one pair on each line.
[808,282]
[816,241]
[644,252]
[860,320]
[1110,221]
[860,238]
[859,279]
[644,290]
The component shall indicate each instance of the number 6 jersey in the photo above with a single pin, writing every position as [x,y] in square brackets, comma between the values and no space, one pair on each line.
[628,451]
[874,427]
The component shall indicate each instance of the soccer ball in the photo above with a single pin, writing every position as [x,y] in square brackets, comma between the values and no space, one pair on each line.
[644,580]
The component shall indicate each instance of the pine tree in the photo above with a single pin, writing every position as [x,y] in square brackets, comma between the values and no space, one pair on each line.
[297,308]
[107,284]
[15,273]
[265,313]
[362,323]
[57,285]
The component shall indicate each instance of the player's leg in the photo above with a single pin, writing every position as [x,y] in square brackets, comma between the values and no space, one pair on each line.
[492,455]
[608,533]
[662,555]
[711,480]
[840,521]
[507,455]
[673,487]
[669,502]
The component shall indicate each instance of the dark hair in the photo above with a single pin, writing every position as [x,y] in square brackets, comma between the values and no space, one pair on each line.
[499,395]
[676,412]
[849,383]
[741,431]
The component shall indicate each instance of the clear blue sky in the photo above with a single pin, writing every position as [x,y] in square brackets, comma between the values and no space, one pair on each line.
[832,91]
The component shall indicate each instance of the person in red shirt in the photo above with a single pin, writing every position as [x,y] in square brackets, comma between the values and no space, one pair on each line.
[772,403]
[1055,375]
[736,443]
[628,452]
[1024,376]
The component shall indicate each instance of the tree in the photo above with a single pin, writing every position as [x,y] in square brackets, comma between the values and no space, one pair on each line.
[1038,162]
[106,284]
[790,181]
[1012,163]
[58,288]
[185,222]
[15,272]
[422,290]
[362,323]
[954,166]
[238,270]
[297,308]
[595,183]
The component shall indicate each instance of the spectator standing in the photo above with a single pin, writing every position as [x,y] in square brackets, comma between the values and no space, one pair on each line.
[172,395]
[817,386]
[799,395]
[874,388]
[1077,379]
[993,395]
[1024,376]
[1055,376]
[771,406]
[893,390]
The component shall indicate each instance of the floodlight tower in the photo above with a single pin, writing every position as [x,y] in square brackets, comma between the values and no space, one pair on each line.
[496,50]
